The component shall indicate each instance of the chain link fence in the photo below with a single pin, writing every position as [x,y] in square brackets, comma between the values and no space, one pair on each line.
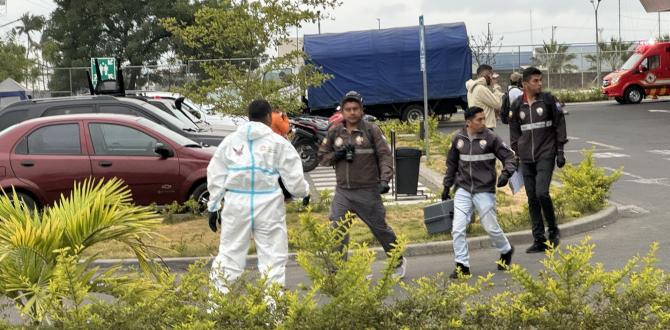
[566,66]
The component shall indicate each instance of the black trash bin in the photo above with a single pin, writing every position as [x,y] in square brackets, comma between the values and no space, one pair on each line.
[407,162]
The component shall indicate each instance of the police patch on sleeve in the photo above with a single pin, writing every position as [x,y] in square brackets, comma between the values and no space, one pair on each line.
[325,141]
[539,111]
[482,143]
[522,115]
[359,140]
[339,142]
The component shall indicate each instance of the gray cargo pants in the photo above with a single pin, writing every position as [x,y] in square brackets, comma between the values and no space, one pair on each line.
[366,204]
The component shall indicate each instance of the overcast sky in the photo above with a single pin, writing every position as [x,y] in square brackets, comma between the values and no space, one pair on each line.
[511,19]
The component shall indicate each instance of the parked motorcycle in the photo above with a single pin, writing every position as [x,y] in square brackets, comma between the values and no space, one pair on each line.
[307,134]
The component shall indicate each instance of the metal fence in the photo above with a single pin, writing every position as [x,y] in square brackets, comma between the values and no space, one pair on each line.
[574,68]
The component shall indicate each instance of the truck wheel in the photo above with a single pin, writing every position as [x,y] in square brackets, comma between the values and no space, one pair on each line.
[201,195]
[620,100]
[308,154]
[633,94]
[413,113]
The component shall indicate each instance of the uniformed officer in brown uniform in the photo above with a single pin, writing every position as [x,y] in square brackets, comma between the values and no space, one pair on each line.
[363,168]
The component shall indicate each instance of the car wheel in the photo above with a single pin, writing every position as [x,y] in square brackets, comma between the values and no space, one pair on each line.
[413,113]
[308,154]
[28,201]
[201,195]
[620,100]
[633,94]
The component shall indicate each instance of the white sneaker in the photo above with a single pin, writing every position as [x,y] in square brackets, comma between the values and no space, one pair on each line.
[400,270]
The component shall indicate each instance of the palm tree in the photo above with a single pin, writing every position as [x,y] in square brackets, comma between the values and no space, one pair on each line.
[37,247]
[614,53]
[554,57]
[30,23]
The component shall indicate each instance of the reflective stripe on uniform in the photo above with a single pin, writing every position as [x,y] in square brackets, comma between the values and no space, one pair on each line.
[476,158]
[364,151]
[541,124]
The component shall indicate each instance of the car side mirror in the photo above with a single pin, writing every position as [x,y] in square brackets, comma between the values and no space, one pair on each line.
[163,150]
[642,68]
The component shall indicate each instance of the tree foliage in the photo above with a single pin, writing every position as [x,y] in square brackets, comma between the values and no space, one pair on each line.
[79,29]
[485,48]
[554,57]
[14,62]
[613,54]
[244,30]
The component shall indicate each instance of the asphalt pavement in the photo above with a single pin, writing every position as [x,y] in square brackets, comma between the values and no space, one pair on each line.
[635,137]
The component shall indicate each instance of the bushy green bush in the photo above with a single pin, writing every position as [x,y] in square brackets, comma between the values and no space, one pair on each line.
[584,95]
[585,186]
[570,292]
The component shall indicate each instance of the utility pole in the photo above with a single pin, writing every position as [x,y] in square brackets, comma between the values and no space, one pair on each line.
[620,21]
[531,27]
[553,31]
[379,23]
[489,40]
[659,25]
[596,4]
[318,20]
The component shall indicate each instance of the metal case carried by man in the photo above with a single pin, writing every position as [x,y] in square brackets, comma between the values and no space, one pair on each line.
[439,217]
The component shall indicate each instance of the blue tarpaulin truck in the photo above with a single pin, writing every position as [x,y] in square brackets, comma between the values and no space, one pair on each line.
[383,66]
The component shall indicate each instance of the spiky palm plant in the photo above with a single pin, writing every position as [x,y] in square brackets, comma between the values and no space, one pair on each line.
[32,244]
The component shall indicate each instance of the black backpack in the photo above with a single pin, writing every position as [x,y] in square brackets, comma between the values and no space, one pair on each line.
[506,107]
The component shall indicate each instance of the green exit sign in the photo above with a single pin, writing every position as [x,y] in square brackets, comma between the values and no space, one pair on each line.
[107,66]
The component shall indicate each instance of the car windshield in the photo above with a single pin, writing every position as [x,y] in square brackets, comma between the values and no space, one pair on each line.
[163,116]
[181,116]
[631,61]
[170,134]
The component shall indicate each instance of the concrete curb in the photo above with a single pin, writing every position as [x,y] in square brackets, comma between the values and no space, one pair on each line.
[607,216]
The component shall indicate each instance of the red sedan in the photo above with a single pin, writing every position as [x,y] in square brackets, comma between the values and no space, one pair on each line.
[42,158]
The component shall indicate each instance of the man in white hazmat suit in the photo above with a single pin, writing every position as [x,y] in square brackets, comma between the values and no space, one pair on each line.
[244,172]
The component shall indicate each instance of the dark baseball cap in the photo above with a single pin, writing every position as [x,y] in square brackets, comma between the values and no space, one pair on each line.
[352,96]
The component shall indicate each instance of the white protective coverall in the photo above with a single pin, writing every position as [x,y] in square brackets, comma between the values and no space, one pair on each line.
[244,172]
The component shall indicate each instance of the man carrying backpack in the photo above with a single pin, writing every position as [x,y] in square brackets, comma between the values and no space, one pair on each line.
[513,92]
[537,135]
[363,168]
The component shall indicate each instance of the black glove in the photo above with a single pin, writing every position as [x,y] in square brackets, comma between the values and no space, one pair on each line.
[213,219]
[384,187]
[350,150]
[503,179]
[560,159]
[340,154]
[445,193]
[305,201]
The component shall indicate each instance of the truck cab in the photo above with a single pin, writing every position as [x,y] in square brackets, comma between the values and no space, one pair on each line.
[645,73]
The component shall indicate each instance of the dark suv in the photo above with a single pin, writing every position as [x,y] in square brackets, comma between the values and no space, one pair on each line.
[20,111]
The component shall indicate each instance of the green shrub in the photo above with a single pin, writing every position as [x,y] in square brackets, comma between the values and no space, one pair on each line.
[585,95]
[585,186]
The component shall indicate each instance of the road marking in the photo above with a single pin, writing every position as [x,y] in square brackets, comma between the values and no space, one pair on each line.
[573,138]
[631,208]
[623,172]
[662,111]
[609,155]
[603,145]
[582,150]
[656,181]
[660,152]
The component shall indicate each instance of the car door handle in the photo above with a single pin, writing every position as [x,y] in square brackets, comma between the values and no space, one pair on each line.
[105,163]
[27,163]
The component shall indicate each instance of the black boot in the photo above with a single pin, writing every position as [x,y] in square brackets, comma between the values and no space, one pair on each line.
[506,260]
[537,247]
[555,238]
[465,271]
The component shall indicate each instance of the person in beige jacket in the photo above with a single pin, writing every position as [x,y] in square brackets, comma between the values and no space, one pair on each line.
[484,92]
